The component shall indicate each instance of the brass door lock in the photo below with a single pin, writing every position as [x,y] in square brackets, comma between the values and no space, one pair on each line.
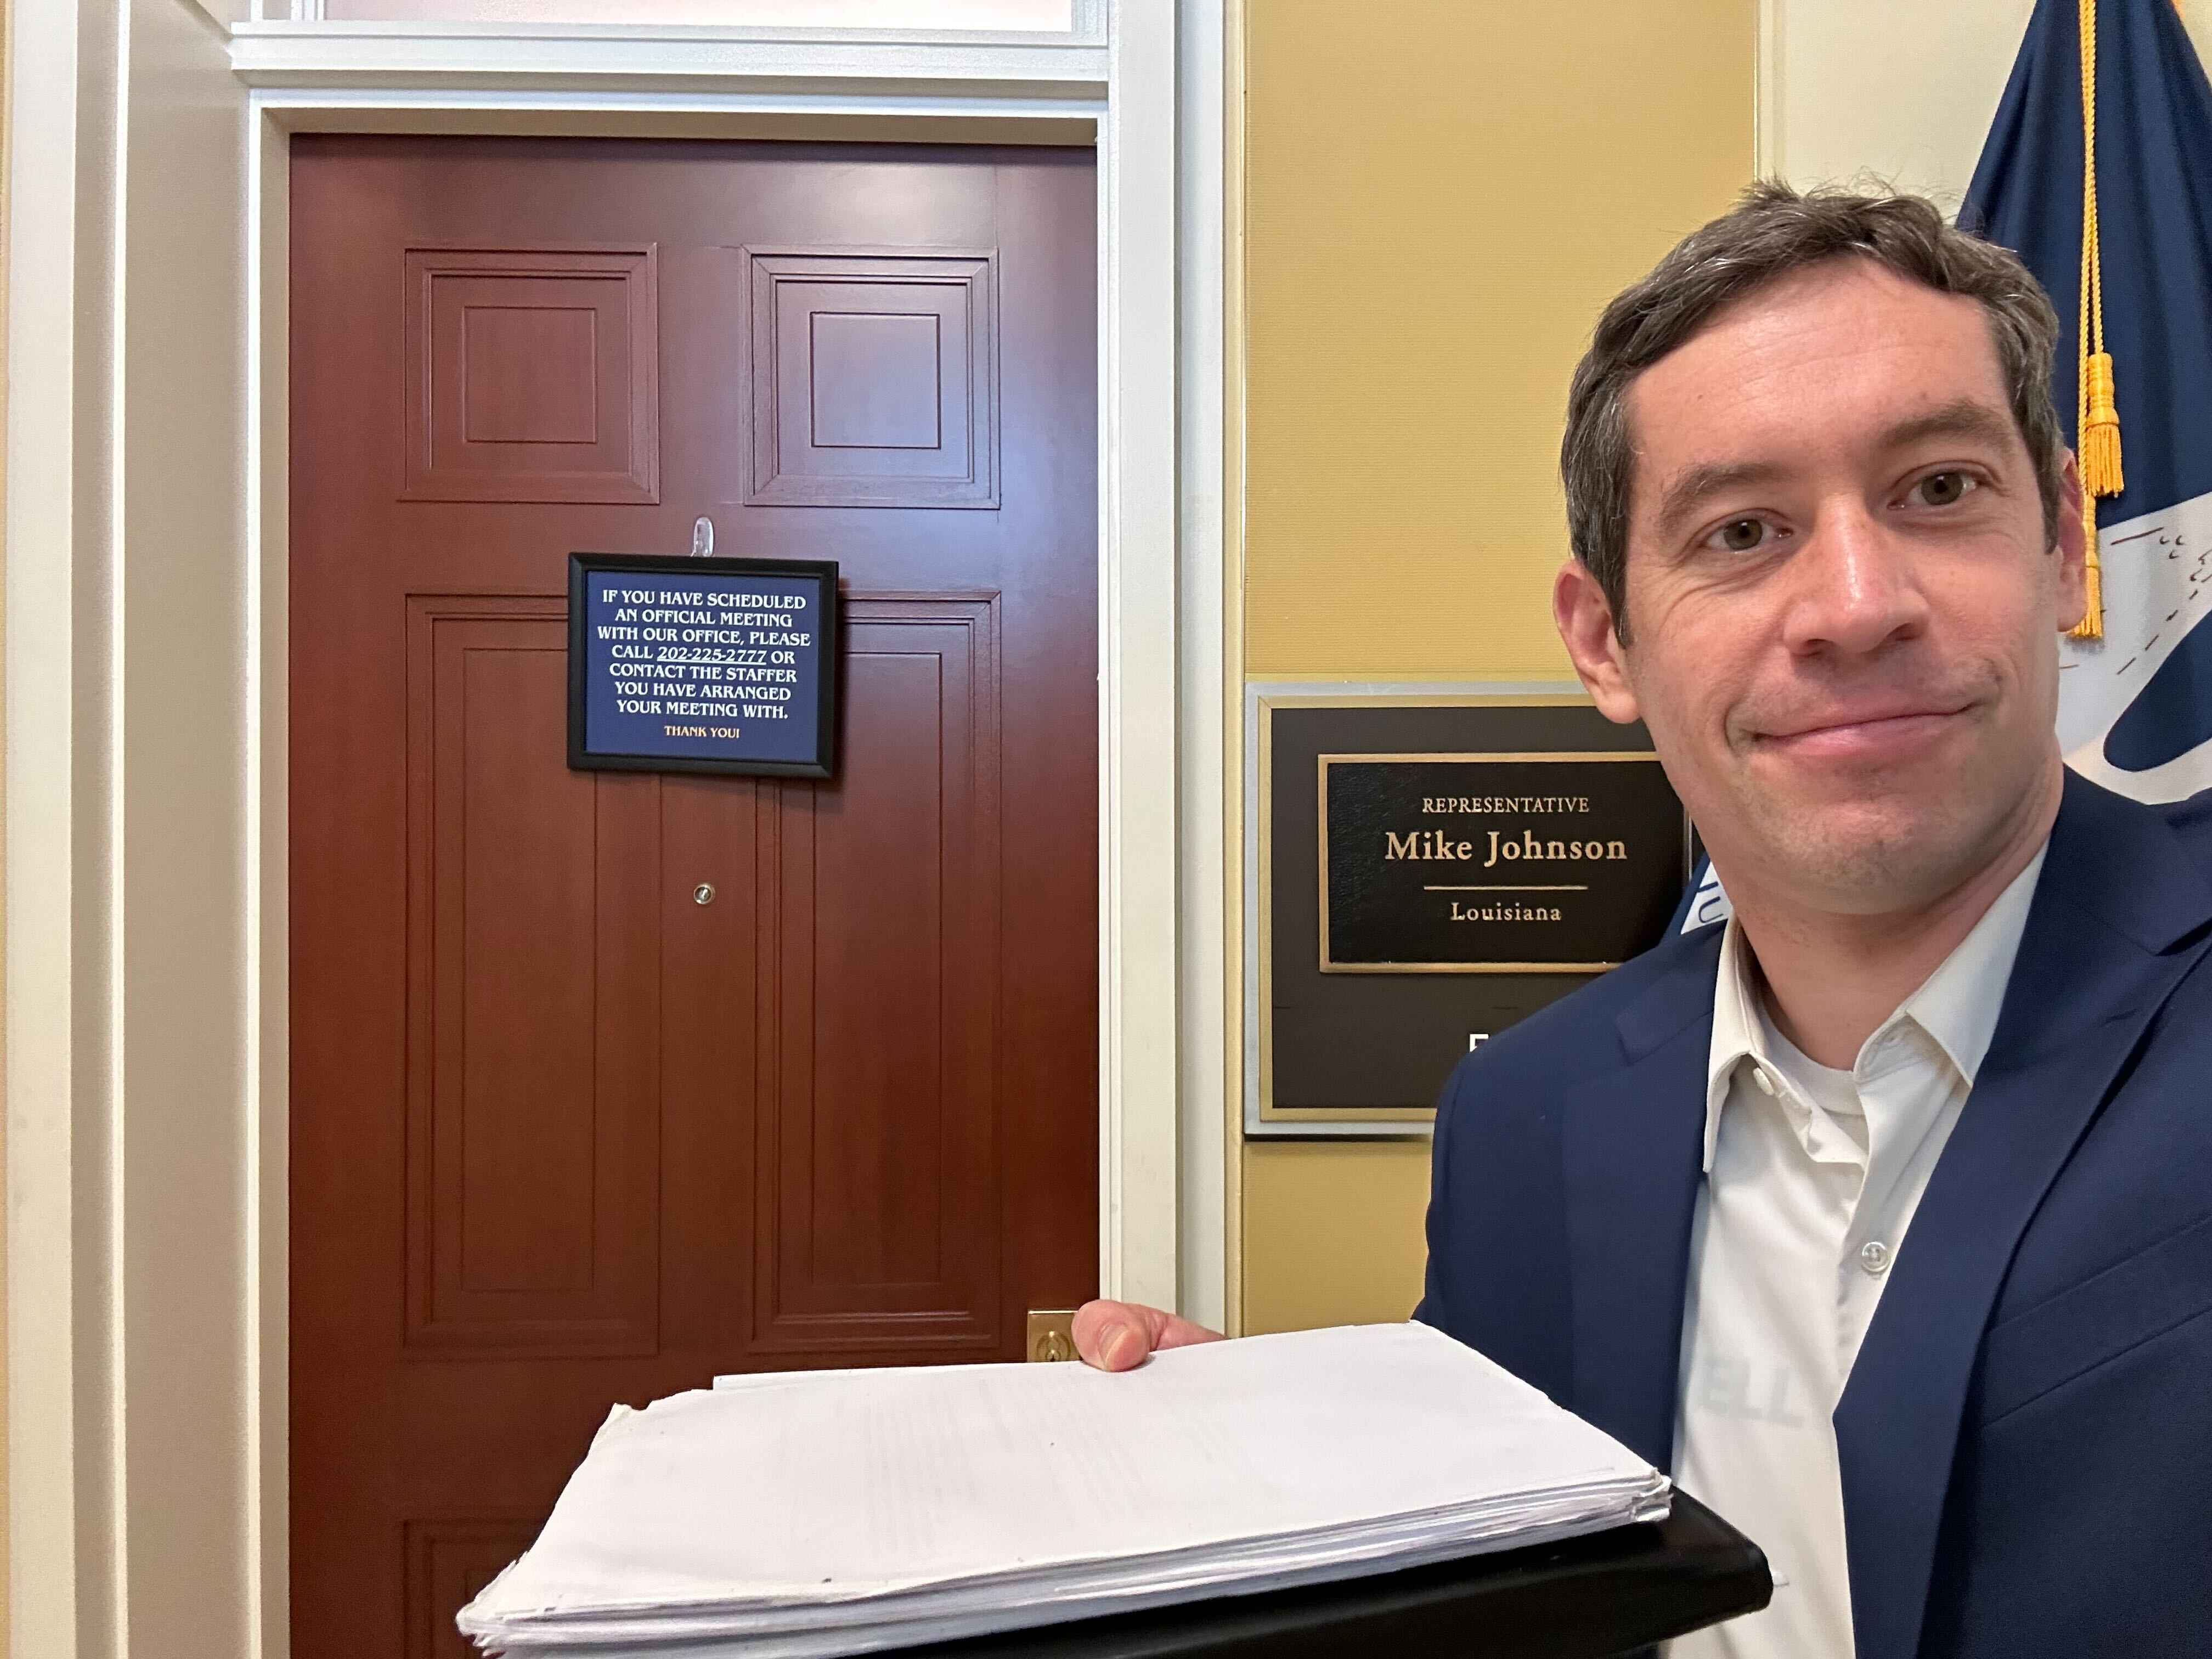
[1051,1334]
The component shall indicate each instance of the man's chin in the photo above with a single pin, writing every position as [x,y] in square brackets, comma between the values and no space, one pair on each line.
[1871,856]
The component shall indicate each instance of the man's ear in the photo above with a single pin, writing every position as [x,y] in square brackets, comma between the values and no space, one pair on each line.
[2073,541]
[1585,621]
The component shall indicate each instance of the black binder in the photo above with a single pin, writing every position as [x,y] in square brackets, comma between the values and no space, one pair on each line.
[1608,1593]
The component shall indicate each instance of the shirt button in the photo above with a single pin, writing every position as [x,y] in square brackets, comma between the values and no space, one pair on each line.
[1874,1256]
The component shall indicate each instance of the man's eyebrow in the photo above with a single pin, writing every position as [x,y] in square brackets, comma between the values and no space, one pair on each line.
[1964,418]
[1688,489]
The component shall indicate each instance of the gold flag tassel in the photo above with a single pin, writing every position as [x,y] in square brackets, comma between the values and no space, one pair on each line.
[2092,625]
[2097,418]
[2100,431]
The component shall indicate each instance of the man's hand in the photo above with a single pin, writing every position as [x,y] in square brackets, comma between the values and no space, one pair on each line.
[1116,1336]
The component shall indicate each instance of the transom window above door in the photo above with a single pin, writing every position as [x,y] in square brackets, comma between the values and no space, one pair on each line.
[979,17]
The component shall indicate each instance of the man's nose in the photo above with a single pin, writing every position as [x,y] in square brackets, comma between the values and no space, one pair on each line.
[1854,587]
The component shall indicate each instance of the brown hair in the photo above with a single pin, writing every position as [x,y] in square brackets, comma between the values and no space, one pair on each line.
[1772,232]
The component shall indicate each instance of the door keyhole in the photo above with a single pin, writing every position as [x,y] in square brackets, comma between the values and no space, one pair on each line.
[703,893]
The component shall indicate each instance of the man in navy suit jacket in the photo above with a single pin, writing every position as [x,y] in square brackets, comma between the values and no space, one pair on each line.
[2026,1435]
[1931,1119]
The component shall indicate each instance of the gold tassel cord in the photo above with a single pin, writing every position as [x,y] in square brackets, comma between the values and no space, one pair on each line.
[2092,625]
[2100,431]
[2097,418]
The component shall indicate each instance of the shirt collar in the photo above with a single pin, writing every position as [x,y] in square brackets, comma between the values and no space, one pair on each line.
[1957,1005]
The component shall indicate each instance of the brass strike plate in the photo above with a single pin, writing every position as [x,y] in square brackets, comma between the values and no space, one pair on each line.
[1052,1334]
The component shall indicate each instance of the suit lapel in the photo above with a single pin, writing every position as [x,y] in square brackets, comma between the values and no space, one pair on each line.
[1633,1145]
[2104,946]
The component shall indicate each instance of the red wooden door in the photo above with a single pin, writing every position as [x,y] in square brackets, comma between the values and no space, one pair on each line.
[563,1134]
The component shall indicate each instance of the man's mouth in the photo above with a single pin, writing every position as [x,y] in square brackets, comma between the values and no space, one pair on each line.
[1889,731]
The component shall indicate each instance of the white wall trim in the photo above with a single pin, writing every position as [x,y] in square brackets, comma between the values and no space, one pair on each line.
[927,20]
[1204,642]
[266,1569]
[1768,156]
[566,57]
[1136,805]
[108,1535]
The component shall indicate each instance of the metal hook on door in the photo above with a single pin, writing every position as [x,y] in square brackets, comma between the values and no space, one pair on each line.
[703,537]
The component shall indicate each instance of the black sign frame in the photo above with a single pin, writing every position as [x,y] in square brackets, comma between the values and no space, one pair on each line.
[822,574]
[1360,1055]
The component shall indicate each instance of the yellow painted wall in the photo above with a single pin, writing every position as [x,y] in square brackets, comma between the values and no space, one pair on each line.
[1439,195]
[1332,1234]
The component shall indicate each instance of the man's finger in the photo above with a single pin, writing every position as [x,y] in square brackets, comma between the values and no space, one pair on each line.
[1122,1346]
[1111,1335]
[1116,1336]
[1175,1331]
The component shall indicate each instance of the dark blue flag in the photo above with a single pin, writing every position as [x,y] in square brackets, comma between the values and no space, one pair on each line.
[2135,709]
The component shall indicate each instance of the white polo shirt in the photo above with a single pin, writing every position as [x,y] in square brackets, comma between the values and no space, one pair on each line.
[1812,1176]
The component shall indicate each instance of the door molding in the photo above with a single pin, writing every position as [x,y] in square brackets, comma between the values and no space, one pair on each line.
[146,1003]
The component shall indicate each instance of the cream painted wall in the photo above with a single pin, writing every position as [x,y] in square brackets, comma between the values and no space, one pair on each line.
[130,1421]
[187,1443]
[1902,90]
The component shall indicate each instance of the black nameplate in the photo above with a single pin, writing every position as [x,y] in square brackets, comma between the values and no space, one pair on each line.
[1565,863]
[1360,1048]
[702,664]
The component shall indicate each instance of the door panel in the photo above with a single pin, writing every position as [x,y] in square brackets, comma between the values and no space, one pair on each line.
[604,1083]
[879,1225]
[447,1563]
[533,1196]
[532,375]
[877,382]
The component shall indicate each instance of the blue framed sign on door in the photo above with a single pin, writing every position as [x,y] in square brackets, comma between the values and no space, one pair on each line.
[702,664]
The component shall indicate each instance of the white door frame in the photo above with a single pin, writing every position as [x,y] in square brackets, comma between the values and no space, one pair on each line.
[146,668]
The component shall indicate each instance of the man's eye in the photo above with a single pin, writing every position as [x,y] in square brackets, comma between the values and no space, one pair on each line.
[1944,489]
[1739,536]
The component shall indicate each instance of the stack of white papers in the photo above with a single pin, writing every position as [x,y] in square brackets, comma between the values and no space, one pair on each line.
[836,1512]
